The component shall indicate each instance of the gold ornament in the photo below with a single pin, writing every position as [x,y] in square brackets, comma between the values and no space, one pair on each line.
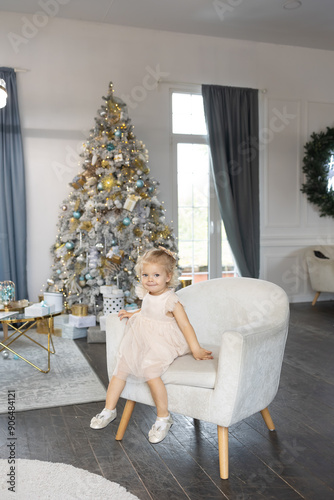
[138,163]
[137,232]
[86,225]
[166,232]
[105,163]
[107,183]
[74,223]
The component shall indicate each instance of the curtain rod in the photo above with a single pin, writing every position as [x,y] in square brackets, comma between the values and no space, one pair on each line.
[264,91]
[21,70]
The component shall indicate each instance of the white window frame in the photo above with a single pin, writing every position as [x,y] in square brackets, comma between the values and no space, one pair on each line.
[214,222]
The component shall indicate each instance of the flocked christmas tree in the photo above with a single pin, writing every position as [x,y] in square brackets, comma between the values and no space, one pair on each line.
[111,215]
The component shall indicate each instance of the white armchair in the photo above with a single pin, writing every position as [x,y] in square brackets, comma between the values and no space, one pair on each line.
[320,264]
[244,322]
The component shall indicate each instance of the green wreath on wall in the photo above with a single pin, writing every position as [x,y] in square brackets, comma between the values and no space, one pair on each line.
[318,152]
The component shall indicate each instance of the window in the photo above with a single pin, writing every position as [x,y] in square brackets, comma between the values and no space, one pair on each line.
[330,184]
[204,251]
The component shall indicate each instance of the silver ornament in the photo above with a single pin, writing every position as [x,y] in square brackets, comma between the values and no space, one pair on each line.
[5,354]
[64,207]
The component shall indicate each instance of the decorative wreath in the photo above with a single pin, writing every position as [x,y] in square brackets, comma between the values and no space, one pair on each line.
[316,168]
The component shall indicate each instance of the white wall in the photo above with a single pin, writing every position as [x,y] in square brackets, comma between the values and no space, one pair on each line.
[71,64]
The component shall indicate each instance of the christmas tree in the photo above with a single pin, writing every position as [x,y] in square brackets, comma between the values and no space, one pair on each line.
[112,213]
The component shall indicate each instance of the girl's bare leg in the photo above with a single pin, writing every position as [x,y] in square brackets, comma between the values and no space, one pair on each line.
[159,395]
[115,388]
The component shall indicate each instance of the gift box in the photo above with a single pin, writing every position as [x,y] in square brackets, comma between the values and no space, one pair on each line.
[55,298]
[78,181]
[42,326]
[73,333]
[61,320]
[113,302]
[82,321]
[40,309]
[107,289]
[95,335]
[131,307]
[79,310]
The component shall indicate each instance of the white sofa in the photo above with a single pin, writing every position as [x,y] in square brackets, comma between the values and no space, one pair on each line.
[320,264]
[244,322]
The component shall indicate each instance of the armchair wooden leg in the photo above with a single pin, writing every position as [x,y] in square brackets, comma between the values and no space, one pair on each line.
[127,412]
[268,420]
[315,298]
[223,451]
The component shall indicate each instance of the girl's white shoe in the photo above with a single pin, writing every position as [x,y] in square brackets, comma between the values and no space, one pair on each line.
[160,429]
[102,419]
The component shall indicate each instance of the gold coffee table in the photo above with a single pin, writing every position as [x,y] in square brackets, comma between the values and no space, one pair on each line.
[21,324]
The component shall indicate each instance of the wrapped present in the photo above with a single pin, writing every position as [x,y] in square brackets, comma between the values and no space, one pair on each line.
[60,321]
[131,307]
[115,255]
[82,321]
[40,309]
[113,302]
[130,202]
[55,298]
[107,289]
[78,181]
[42,326]
[79,310]
[72,332]
[95,335]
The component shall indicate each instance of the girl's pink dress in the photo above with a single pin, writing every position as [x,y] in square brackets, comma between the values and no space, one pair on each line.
[152,340]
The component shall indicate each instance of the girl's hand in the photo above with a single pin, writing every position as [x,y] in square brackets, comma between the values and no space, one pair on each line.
[200,353]
[124,314]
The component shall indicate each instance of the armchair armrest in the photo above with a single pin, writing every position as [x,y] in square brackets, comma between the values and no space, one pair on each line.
[114,334]
[249,370]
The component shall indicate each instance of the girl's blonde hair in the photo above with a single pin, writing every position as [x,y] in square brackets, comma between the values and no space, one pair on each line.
[164,258]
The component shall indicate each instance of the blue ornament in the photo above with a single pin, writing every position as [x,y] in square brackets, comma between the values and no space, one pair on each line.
[113,243]
[58,271]
[88,276]
[151,189]
[100,186]
[140,183]
[110,146]
[76,214]
[118,133]
[82,278]
[127,293]
[126,221]
[69,245]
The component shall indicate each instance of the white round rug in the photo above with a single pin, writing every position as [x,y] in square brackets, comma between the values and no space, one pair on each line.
[33,480]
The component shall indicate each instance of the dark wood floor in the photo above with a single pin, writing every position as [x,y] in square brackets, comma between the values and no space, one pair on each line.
[294,462]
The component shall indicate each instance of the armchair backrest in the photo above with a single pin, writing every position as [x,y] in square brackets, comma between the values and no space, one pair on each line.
[223,304]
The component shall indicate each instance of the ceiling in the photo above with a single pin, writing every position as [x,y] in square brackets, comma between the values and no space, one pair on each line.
[310,25]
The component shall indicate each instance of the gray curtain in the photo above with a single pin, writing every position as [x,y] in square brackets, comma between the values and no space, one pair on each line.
[13,232]
[232,120]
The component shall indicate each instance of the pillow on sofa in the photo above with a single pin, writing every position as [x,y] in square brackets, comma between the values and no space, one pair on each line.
[320,255]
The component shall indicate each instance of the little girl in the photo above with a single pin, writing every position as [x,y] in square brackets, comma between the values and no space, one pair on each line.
[153,338]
